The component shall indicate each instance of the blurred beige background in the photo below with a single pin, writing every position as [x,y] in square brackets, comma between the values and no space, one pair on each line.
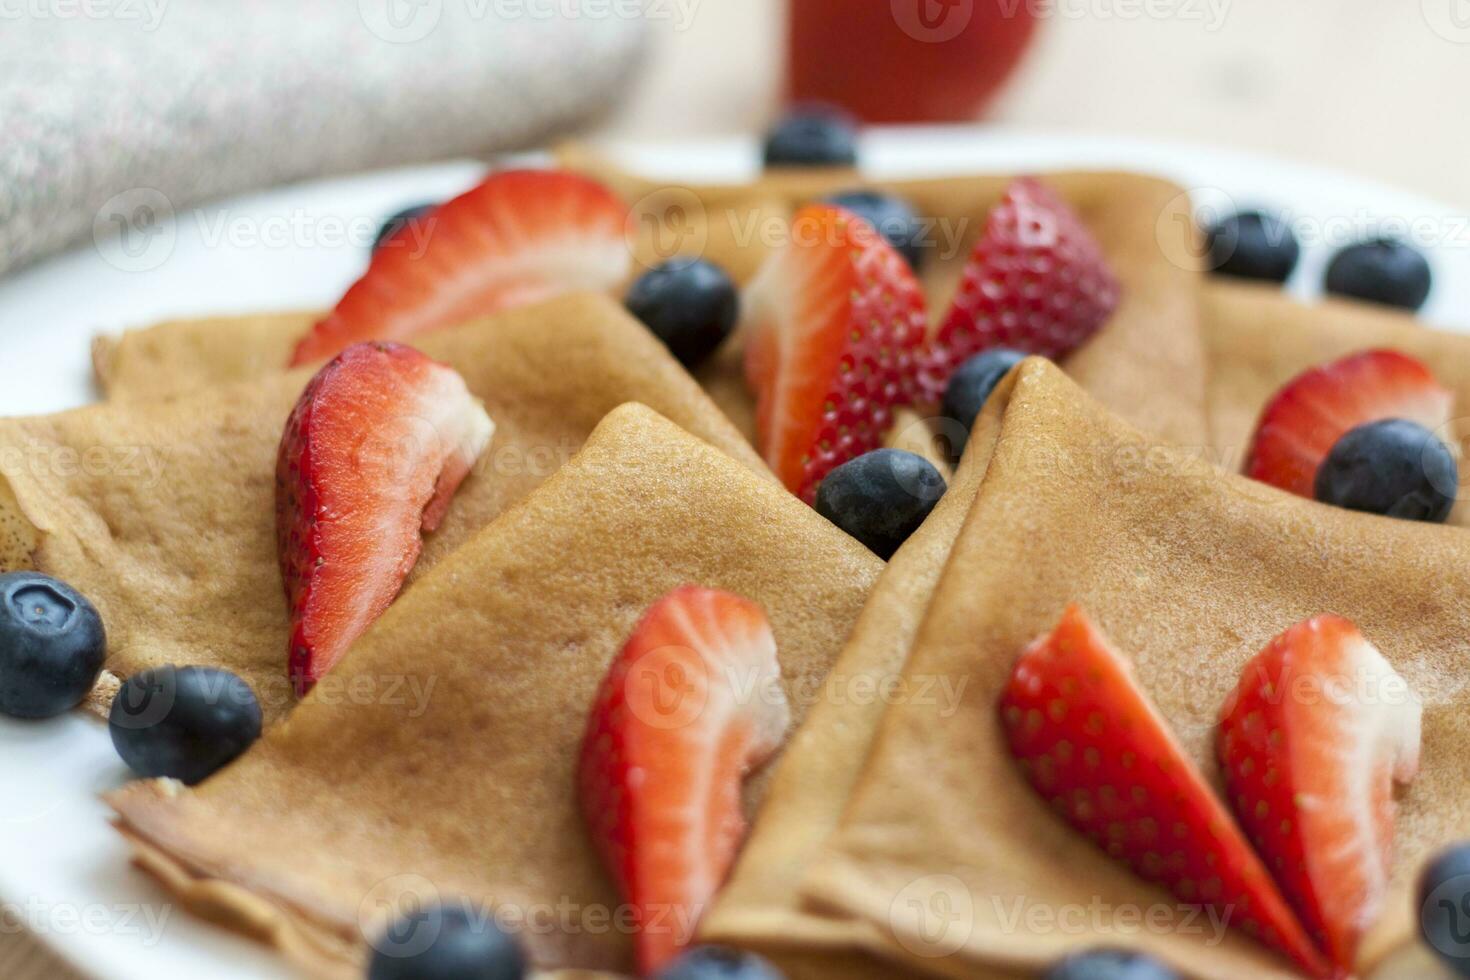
[1373,87]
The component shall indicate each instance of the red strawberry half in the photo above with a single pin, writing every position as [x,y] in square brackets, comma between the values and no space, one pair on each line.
[519,237]
[1313,741]
[690,706]
[371,457]
[1036,282]
[1092,744]
[834,320]
[1316,408]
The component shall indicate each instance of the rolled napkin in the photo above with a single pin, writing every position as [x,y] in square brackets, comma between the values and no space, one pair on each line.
[116,110]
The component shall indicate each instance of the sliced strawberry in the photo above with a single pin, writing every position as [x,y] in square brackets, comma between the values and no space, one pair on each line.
[834,320]
[1037,282]
[1092,744]
[690,706]
[1316,408]
[519,237]
[1312,742]
[371,457]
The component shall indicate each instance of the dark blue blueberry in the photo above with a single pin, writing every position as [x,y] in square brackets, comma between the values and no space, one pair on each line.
[719,963]
[1253,245]
[970,386]
[881,497]
[812,136]
[1393,467]
[1381,271]
[689,304]
[1109,964]
[1444,907]
[447,942]
[183,722]
[402,219]
[52,645]
[894,218]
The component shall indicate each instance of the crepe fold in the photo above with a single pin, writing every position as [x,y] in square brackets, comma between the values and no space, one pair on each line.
[462,784]
[904,836]
[761,906]
[1259,339]
[1147,363]
[163,511]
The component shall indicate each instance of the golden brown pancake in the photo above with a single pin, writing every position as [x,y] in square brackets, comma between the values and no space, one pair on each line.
[1259,339]
[470,789]
[761,906]
[163,511]
[945,857]
[1147,363]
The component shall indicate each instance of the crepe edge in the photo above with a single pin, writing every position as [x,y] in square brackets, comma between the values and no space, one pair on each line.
[318,950]
[21,536]
[802,929]
[114,354]
[323,948]
[832,889]
[326,943]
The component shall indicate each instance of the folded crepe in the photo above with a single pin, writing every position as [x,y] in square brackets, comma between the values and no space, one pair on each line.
[761,907]
[945,861]
[1147,363]
[469,789]
[163,512]
[1259,339]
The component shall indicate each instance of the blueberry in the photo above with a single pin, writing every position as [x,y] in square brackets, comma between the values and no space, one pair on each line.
[447,942]
[1109,964]
[893,217]
[719,963]
[689,304]
[1253,245]
[881,497]
[183,722]
[814,136]
[1392,467]
[411,218]
[1381,271]
[971,385]
[52,645]
[1444,907]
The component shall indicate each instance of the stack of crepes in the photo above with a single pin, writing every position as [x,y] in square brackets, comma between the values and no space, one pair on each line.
[613,477]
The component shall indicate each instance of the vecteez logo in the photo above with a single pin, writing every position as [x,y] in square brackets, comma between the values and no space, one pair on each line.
[1450,19]
[400,21]
[146,13]
[933,21]
[135,231]
[933,917]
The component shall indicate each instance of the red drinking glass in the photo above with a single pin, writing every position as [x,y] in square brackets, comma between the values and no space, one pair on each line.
[888,61]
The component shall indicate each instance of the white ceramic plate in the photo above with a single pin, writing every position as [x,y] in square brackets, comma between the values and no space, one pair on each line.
[63,873]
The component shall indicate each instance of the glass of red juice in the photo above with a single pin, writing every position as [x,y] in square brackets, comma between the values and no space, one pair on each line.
[890,61]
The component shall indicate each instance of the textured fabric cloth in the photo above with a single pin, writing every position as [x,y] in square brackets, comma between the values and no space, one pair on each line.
[109,106]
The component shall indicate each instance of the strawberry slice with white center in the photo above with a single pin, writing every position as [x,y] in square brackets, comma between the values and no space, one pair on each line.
[519,237]
[691,705]
[1037,282]
[1313,742]
[370,460]
[1315,409]
[834,320]
[1090,742]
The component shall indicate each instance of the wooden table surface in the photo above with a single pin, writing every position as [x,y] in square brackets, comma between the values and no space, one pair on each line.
[1372,87]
